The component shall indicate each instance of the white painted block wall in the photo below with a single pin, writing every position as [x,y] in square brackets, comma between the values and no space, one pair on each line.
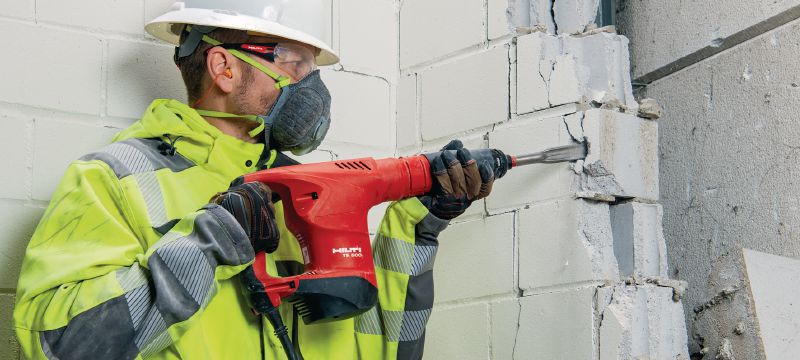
[526,274]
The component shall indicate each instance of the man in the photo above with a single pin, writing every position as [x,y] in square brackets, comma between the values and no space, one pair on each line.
[132,259]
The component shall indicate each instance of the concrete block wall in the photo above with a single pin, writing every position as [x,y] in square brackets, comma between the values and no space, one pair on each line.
[83,70]
[534,271]
[726,75]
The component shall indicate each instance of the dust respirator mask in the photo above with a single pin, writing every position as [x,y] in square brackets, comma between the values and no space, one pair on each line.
[300,117]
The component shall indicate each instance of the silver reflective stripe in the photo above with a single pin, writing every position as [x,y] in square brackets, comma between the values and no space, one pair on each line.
[424,257]
[392,323]
[151,191]
[414,324]
[152,327]
[190,266]
[392,254]
[140,158]
[131,278]
[369,322]
[139,302]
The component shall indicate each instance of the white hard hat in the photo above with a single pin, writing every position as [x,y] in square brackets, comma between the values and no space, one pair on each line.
[305,21]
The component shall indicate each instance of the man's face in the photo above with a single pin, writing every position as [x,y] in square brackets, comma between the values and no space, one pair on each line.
[256,93]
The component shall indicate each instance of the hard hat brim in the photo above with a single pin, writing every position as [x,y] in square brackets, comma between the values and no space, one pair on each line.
[163,28]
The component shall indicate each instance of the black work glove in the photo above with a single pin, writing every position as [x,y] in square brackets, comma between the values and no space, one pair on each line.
[251,205]
[458,181]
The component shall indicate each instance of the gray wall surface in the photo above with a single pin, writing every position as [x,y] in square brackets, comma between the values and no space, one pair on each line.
[728,76]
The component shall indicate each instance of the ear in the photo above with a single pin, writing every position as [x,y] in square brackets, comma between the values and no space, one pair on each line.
[221,68]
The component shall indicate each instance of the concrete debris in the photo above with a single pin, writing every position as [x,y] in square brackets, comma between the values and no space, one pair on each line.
[596,178]
[594,195]
[650,109]
[746,303]
[725,351]
[575,16]
[679,287]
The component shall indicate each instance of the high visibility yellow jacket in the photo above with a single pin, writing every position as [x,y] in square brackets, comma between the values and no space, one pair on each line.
[129,260]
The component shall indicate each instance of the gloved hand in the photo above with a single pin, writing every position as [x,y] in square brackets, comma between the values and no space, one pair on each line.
[251,205]
[458,181]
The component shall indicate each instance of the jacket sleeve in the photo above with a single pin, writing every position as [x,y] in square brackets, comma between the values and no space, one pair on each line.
[91,287]
[403,251]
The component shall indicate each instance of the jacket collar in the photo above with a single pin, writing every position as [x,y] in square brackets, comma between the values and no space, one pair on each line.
[199,141]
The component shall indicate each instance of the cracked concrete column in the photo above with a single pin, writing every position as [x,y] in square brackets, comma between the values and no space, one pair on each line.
[569,259]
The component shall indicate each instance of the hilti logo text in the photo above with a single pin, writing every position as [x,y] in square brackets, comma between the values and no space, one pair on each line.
[257,48]
[352,250]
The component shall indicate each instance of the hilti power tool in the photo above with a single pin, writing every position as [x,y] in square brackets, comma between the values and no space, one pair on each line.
[325,207]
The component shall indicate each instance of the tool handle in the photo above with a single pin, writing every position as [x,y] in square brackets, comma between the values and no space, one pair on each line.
[496,159]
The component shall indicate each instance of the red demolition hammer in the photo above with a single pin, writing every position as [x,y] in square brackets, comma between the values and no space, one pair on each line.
[325,207]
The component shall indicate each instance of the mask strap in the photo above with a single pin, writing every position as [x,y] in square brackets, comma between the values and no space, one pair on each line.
[280,81]
[219,114]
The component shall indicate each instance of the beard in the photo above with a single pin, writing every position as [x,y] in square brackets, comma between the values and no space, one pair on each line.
[243,101]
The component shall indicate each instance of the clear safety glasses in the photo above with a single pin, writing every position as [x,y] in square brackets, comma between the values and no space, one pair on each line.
[293,59]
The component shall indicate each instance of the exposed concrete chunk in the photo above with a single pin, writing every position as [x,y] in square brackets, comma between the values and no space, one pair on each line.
[649,109]
[623,159]
[751,312]
[639,243]
[565,241]
[640,322]
[575,16]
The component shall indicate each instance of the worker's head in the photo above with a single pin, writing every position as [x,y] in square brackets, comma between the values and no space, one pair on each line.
[255,58]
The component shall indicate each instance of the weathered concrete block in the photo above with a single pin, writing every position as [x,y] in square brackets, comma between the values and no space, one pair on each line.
[408,136]
[535,60]
[565,241]
[431,29]
[156,8]
[361,111]
[17,223]
[532,183]
[488,244]
[22,9]
[639,244]
[603,68]
[15,179]
[369,44]
[121,16]
[505,319]
[469,341]
[557,325]
[623,160]
[640,322]
[575,16]
[138,73]
[72,83]
[450,102]
[750,312]
[10,349]
[52,154]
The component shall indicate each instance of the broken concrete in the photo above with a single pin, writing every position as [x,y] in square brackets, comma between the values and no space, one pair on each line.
[640,322]
[550,72]
[746,316]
